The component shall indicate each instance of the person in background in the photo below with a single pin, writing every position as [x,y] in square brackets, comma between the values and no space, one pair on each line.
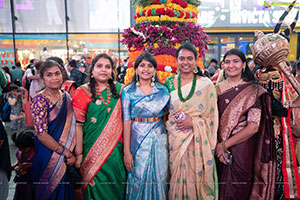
[77,72]
[24,141]
[8,78]
[34,76]
[3,83]
[17,115]
[251,64]
[121,71]
[212,67]
[5,166]
[17,73]
[7,74]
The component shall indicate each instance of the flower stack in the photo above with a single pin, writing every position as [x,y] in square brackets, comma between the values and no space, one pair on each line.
[162,26]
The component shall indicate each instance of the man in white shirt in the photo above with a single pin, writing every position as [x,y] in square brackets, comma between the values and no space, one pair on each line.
[35,80]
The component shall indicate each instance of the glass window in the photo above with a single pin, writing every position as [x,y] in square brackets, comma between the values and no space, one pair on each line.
[40,16]
[6,51]
[40,46]
[89,45]
[245,44]
[227,43]
[5,17]
[212,51]
[98,15]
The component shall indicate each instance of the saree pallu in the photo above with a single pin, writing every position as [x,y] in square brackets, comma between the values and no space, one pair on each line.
[148,143]
[50,178]
[103,171]
[253,171]
[192,163]
[290,171]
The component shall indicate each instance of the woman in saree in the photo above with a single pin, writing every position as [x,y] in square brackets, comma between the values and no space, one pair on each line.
[145,136]
[245,148]
[99,126]
[54,123]
[192,127]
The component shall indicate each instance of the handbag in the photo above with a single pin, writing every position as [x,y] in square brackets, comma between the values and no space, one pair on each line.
[74,175]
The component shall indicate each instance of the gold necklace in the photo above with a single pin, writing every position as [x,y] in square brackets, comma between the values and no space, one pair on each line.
[54,98]
[233,85]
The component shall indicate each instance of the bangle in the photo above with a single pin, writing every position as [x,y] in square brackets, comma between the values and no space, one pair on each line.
[78,154]
[223,146]
[61,151]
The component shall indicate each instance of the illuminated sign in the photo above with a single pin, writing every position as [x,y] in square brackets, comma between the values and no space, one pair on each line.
[27,5]
[243,13]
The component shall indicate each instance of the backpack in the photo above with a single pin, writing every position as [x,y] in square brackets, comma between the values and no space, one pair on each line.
[25,81]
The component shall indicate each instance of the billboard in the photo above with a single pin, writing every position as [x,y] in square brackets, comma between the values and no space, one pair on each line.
[244,13]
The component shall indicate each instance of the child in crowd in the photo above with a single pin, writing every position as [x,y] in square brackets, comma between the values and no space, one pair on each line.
[24,141]
[17,115]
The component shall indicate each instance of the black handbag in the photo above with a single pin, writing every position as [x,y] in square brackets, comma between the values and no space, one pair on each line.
[277,108]
[74,175]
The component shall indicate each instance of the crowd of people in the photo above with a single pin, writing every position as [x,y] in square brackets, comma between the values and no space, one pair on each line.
[95,138]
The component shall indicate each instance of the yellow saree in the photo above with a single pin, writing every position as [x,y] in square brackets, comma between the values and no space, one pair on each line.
[192,164]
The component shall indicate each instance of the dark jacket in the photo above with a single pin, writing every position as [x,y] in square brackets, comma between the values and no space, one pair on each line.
[5,164]
[77,76]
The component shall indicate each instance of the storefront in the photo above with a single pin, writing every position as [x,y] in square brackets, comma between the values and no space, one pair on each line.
[76,28]
[232,23]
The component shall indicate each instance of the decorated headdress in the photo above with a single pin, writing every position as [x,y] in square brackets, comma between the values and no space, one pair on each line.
[272,49]
[286,33]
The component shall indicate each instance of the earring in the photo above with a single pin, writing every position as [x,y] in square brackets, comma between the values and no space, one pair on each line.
[137,80]
[243,71]
[153,81]
[195,69]
[92,76]
[177,70]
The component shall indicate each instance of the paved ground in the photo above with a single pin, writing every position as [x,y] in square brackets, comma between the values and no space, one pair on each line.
[13,158]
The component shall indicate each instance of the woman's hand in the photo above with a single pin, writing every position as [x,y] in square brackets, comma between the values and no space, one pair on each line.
[296,103]
[220,153]
[128,161]
[78,161]
[26,165]
[70,159]
[187,123]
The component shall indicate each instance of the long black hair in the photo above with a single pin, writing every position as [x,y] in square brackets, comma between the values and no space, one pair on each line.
[190,47]
[247,75]
[148,57]
[93,84]
[23,139]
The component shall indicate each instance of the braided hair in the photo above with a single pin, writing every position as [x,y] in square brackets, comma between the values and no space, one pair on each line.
[93,83]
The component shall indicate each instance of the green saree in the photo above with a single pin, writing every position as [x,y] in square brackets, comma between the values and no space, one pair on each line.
[103,171]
